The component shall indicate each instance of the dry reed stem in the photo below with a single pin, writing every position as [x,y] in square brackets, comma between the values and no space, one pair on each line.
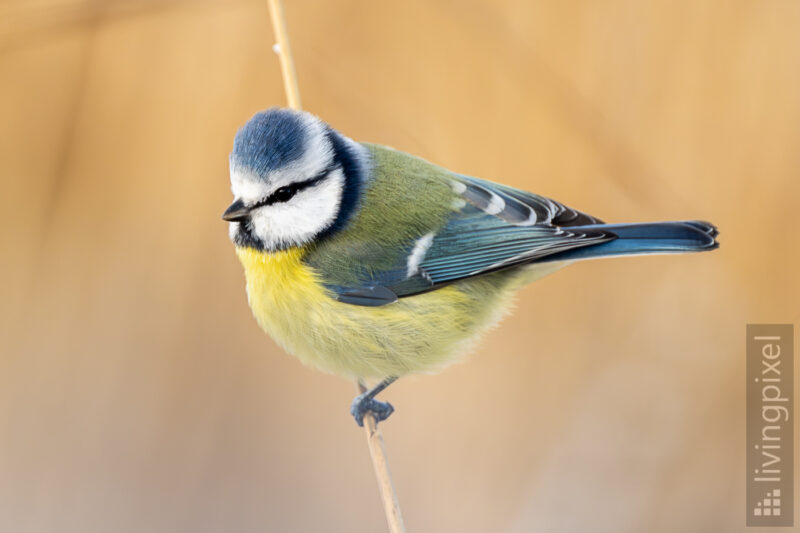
[380,463]
[377,450]
[284,52]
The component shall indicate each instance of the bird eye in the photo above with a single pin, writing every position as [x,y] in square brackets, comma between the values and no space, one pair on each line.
[284,194]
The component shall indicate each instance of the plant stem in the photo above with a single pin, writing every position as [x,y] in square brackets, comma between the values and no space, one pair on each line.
[377,450]
[284,52]
[380,463]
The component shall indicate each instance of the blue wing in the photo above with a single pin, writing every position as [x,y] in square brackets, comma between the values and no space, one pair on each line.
[521,207]
[492,227]
[474,243]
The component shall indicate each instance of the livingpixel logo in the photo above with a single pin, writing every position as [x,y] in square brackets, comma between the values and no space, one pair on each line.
[770,431]
[770,505]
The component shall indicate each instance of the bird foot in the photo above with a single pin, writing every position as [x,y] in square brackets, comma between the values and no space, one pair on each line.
[363,404]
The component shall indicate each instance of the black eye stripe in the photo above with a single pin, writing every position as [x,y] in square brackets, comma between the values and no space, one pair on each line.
[287,192]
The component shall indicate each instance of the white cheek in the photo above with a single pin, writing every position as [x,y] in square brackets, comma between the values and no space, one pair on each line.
[299,220]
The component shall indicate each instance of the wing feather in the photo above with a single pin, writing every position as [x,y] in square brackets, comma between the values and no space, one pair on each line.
[490,227]
[520,205]
[474,243]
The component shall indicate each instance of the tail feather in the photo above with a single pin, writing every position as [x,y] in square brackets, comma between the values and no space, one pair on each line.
[645,238]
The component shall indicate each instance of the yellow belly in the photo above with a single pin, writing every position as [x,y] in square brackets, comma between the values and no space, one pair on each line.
[422,333]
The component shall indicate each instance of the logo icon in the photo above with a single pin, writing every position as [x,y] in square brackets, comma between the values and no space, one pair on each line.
[770,505]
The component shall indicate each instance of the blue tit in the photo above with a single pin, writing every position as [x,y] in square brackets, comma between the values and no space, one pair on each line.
[371,263]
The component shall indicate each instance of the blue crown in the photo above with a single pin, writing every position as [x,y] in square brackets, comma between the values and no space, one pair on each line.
[270,140]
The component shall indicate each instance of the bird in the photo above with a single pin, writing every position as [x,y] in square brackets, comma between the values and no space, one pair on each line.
[372,264]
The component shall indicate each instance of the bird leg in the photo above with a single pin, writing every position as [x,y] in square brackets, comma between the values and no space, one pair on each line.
[366,403]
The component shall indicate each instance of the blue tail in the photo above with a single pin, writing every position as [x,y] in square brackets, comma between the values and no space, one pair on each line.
[645,238]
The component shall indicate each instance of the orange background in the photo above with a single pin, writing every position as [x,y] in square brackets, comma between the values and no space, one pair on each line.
[138,394]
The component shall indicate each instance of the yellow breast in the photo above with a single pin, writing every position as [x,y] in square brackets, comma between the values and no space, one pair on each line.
[417,334]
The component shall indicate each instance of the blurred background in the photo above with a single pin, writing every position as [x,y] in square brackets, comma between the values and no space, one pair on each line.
[138,394]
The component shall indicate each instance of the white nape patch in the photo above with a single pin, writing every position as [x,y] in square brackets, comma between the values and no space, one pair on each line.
[418,253]
[299,220]
[458,187]
[496,204]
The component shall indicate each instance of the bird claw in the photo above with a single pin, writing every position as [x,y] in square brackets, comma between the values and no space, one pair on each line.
[364,404]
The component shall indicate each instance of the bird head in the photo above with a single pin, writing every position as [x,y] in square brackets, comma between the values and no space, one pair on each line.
[294,180]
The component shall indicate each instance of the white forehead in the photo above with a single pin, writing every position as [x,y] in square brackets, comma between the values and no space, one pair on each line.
[318,154]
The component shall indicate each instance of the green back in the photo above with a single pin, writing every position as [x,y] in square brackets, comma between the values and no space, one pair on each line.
[404,198]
